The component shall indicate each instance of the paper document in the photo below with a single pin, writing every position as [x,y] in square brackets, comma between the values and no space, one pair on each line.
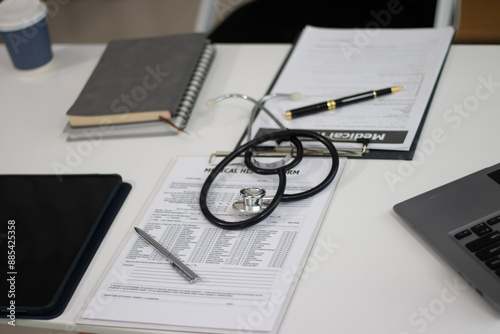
[328,64]
[247,276]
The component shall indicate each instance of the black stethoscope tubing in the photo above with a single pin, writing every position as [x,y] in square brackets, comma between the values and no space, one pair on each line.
[280,195]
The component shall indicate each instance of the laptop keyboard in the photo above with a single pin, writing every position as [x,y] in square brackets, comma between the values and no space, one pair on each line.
[483,240]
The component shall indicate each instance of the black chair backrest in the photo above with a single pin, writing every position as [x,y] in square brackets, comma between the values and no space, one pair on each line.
[278,21]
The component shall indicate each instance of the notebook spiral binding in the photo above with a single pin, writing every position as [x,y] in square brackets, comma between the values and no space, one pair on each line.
[189,99]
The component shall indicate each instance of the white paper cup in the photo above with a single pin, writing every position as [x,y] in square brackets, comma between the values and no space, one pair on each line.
[23,27]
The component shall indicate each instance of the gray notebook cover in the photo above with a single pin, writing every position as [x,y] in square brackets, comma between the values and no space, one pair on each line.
[146,74]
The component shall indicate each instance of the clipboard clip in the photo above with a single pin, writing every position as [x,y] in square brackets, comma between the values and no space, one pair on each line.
[282,151]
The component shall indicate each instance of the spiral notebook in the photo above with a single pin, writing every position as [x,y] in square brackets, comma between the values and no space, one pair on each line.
[136,82]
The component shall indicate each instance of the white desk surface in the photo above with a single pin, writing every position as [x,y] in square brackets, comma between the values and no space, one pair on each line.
[367,273]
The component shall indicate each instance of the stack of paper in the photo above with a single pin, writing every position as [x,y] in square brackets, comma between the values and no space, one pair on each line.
[247,276]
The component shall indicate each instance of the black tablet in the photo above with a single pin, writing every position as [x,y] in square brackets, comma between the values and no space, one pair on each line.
[50,228]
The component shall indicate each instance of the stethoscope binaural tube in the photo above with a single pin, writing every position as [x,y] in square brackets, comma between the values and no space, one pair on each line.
[291,135]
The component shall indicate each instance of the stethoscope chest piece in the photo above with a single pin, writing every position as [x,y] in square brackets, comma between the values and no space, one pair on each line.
[253,201]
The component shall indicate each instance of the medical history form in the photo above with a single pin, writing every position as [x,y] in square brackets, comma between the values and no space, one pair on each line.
[247,275]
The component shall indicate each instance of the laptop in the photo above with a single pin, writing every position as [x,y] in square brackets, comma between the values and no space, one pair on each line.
[461,222]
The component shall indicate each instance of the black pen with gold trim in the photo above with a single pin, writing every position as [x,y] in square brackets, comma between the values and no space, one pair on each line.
[332,104]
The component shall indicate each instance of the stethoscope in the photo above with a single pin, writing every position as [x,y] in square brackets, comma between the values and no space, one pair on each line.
[254,203]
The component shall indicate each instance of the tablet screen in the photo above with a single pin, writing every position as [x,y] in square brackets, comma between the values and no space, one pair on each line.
[45,222]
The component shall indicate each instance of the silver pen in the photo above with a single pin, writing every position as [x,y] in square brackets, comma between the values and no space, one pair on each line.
[187,273]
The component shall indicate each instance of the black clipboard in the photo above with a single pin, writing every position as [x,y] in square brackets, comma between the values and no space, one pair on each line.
[366,152]
[50,228]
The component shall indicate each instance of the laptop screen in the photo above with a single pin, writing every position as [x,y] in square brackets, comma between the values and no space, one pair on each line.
[495,176]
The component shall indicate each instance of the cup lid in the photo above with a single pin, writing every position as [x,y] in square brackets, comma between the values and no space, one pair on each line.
[20,14]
